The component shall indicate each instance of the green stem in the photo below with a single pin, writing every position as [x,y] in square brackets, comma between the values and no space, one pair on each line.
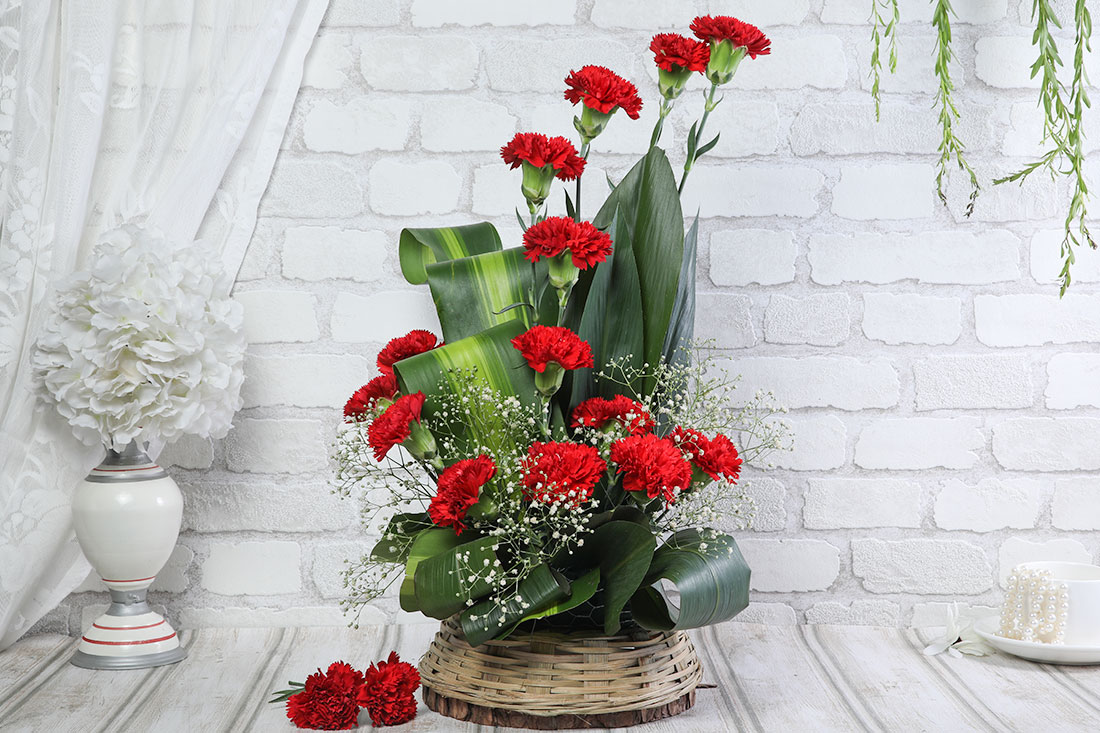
[666,107]
[577,211]
[690,160]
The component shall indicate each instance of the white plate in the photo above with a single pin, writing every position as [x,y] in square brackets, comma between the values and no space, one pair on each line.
[1035,651]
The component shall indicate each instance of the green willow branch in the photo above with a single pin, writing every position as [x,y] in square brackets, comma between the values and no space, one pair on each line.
[950,145]
[881,29]
[1063,122]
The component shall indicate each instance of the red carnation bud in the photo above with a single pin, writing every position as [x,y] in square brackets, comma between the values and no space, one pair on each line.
[400,425]
[542,158]
[677,57]
[550,350]
[602,91]
[571,246]
[730,41]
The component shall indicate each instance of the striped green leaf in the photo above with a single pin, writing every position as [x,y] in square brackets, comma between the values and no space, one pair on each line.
[476,293]
[428,543]
[708,571]
[543,588]
[418,248]
[681,327]
[497,363]
[444,582]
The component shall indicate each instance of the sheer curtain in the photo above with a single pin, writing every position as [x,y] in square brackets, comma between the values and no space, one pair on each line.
[169,111]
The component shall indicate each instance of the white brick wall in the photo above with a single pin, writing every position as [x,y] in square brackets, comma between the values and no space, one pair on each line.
[946,402]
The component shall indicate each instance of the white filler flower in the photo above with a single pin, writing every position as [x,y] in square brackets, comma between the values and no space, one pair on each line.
[145,345]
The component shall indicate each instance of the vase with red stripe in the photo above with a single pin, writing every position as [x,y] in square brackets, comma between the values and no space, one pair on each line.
[127,514]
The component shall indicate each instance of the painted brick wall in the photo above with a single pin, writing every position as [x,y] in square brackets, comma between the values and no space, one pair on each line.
[945,400]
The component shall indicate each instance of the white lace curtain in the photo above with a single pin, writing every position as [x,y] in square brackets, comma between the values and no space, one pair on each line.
[170,111]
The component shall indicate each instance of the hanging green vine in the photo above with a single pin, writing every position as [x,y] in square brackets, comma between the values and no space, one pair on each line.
[888,30]
[950,145]
[1062,125]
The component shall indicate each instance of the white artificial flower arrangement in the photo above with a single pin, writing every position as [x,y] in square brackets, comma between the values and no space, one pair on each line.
[146,345]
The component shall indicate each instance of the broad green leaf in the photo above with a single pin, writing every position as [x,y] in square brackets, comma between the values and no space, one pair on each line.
[429,543]
[474,293]
[405,527]
[498,364]
[418,248]
[710,574]
[623,550]
[609,321]
[542,588]
[649,204]
[444,582]
[681,326]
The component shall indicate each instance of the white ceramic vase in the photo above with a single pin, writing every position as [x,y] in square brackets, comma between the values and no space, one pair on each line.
[127,514]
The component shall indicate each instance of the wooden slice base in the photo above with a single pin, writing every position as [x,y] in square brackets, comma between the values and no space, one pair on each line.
[483,715]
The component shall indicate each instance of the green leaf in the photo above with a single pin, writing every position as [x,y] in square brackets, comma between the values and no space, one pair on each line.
[418,248]
[406,527]
[499,365]
[429,543]
[710,574]
[648,205]
[623,550]
[472,294]
[707,148]
[681,326]
[444,582]
[540,590]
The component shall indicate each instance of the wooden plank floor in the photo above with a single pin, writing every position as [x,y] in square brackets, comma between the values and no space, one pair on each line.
[769,678]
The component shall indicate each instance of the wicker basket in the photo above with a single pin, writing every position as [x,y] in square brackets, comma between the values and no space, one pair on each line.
[551,681]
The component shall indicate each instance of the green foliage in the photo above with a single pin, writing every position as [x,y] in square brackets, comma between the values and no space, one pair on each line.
[443,582]
[950,144]
[623,551]
[708,570]
[1063,121]
[542,593]
[418,248]
[882,29]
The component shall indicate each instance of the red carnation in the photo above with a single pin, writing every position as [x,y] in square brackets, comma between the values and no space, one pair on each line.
[363,403]
[587,245]
[651,465]
[541,151]
[414,342]
[387,691]
[725,28]
[561,472]
[328,700]
[394,425]
[717,457]
[603,90]
[545,345]
[675,53]
[598,412]
[457,490]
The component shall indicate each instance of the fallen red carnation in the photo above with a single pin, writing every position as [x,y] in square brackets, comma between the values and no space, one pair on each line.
[597,412]
[387,691]
[414,342]
[363,403]
[717,457]
[329,699]
[739,33]
[651,465]
[587,245]
[603,90]
[543,345]
[541,151]
[394,425]
[561,472]
[674,52]
[457,490]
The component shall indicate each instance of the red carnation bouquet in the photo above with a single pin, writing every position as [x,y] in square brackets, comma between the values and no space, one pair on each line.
[558,455]
[331,700]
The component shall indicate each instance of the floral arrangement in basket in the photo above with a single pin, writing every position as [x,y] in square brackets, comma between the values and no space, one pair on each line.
[558,457]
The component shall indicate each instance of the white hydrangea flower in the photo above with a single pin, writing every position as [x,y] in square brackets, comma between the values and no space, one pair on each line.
[145,345]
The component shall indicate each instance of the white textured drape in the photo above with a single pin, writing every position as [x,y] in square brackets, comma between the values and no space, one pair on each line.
[170,111]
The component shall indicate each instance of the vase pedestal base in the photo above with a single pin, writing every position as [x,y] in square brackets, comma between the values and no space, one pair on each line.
[130,635]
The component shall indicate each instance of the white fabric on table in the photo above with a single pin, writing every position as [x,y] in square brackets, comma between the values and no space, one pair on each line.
[169,111]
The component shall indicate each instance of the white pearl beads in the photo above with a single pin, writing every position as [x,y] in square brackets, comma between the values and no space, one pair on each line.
[1035,607]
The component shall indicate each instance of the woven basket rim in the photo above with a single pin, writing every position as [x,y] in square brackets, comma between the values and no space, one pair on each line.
[554,673]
